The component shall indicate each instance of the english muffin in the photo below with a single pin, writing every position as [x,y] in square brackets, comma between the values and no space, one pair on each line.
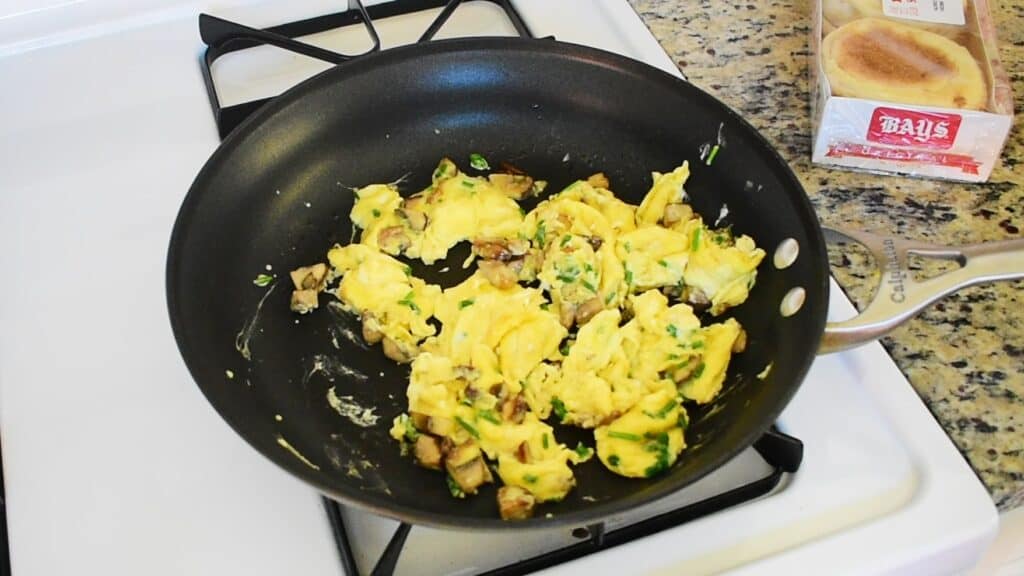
[886,60]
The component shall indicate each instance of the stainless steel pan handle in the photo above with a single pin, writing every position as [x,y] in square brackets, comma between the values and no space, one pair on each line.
[900,297]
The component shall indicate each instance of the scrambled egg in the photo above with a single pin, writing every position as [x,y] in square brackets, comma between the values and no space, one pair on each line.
[596,344]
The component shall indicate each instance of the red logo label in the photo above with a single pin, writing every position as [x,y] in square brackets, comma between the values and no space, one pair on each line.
[910,128]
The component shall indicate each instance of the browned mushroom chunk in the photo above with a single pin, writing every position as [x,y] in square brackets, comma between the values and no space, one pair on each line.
[502,249]
[515,186]
[436,425]
[566,314]
[595,242]
[513,409]
[304,301]
[395,351]
[676,213]
[371,329]
[523,453]
[588,310]
[740,343]
[498,274]
[412,211]
[515,503]
[427,451]
[598,180]
[310,277]
[393,240]
[696,298]
[466,466]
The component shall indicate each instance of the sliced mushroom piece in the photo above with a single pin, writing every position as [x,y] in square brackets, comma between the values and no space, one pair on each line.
[566,314]
[436,425]
[458,455]
[395,351]
[310,277]
[498,274]
[427,451]
[417,219]
[588,310]
[515,503]
[471,475]
[393,240]
[304,301]
[598,180]
[675,213]
[503,249]
[371,329]
[514,408]
[515,186]
[696,298]
[523,453]
[595,242]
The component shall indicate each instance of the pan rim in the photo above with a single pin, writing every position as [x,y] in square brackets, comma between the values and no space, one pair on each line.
[550,47]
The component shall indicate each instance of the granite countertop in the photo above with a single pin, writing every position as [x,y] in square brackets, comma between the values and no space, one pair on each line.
[964,355]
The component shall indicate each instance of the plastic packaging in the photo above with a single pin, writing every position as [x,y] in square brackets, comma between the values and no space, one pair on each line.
[908,86]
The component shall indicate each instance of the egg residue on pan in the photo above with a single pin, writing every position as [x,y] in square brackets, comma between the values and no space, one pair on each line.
[580,312]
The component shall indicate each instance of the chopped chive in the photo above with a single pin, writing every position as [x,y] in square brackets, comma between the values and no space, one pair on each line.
[565,240]
[608,299]
[490,416]
[588,267]
[627,246]
[530,478]
[668,407]
[672,330]
[588,286]
[613,460]
[263,280]
[408,301]
[565,278]
[698,371]
[697,345]
[522,211]
[545,306]
[407,270]
[468,427]
[663,264]
[468,183]
[684,420]
[411,433]
[545,440]
[541,233]
[583,451]
[453,487]
[466,303]
[478,162]
[711,157]
[558,407]
[696,240]
[466,401]
[376,213]
[564,348]
[624,436]
[629,277]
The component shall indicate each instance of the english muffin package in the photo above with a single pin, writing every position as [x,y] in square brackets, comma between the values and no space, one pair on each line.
[909,86]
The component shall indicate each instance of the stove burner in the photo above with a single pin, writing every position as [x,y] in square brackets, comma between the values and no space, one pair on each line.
[223,37]
[782,452]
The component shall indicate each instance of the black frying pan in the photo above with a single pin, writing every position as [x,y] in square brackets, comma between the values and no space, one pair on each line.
[278,192]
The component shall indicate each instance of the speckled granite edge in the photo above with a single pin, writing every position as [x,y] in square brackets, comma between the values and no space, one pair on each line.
[965,355]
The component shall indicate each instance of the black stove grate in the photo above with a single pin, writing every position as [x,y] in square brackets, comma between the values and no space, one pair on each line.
[223,37]
[782,452]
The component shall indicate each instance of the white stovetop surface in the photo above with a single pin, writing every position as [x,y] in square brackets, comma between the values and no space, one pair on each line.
[115,463]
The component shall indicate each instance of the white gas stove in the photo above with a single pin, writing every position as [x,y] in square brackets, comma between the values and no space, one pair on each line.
[114,463]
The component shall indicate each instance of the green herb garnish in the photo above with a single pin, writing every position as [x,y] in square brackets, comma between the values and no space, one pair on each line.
[453,487]
[408,301]
[624,436]
[545,306]
[663,264]
[263,280]
[541,233]
[698,371]
[530,478]
[613,460]
[565,347]
[376,213]
[588,286]
[608,299]
[684,420]
[558,407]
[478,162]
[629,277]
[696,240]
[468,183]
[411,433]
[668,407]
[468,427]
[672,330]
[466,303]
[711,157]
[544,440]
[565,240]
[583,451]
[407,270]
[490,416]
